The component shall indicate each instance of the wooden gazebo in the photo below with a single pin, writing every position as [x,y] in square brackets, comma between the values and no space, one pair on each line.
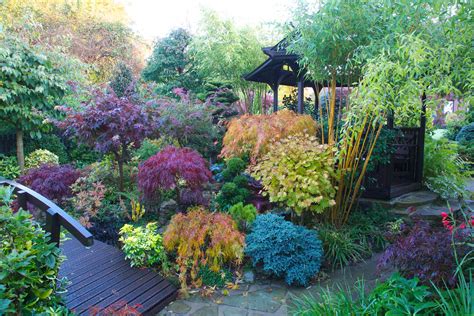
[281,68]
[402,174]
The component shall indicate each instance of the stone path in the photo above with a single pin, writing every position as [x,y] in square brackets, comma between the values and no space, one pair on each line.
[265,297]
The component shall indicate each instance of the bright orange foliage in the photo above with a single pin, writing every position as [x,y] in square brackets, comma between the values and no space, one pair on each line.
[253,134]
[203,238]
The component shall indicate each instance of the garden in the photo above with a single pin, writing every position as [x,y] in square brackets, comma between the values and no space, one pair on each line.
[169,154]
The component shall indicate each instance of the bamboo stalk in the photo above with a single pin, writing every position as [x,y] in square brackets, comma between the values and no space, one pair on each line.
[364,168]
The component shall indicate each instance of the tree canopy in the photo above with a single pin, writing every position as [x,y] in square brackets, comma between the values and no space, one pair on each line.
[95,32]
[29,87]
[170,64]
[225,52]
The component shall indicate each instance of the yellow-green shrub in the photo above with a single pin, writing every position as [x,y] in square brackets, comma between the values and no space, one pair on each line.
[298,172]
[143,246]
[39,157]
[253,135]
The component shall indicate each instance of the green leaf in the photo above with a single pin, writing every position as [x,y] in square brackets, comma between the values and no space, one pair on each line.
[43,293]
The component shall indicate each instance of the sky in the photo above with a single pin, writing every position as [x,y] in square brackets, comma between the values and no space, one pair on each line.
[156,18]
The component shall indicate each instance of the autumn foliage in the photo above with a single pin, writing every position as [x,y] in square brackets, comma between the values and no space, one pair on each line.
[253,135]
[298,172]
[173,168]
[202,238]
[52,181]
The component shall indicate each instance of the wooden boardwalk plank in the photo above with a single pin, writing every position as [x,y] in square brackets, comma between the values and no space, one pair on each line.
[126,295]
[88,273]
[99,294]
[101,284]
[100,277]
[96,280]
[90,253]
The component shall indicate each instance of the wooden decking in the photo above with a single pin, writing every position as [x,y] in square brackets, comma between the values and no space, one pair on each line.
[100,277]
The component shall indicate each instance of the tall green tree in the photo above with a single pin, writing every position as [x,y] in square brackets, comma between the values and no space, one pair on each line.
[225,52]
[29,87]
[170,64]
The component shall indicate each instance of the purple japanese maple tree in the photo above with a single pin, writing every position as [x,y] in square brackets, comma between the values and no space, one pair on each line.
[110,125]
[174,169]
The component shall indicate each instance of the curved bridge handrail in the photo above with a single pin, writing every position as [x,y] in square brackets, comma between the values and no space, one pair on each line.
[55,216]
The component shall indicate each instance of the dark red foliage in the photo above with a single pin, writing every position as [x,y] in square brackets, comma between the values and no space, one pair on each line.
[108,123]
[163,171]
[111,125]
[189,197]
[425,252]
[52,181]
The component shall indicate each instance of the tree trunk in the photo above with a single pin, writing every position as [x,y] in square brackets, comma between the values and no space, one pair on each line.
[20,152]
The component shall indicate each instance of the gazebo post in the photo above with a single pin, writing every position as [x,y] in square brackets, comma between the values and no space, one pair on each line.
[300,94]
[275,96]
[316,99]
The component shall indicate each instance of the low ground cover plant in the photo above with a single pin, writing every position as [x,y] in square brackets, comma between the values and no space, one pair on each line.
[340,247]
[213,278]
[284,250]
[396,296]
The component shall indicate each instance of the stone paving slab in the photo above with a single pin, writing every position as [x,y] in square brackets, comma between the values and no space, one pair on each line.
[268,298]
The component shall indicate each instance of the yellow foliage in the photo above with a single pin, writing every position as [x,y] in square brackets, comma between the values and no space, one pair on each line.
[254,135]
[137,210]
[298,172]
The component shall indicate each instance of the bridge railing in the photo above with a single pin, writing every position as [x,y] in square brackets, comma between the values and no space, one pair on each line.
[55,216]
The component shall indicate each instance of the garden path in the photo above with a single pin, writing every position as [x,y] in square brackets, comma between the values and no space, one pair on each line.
[267,297]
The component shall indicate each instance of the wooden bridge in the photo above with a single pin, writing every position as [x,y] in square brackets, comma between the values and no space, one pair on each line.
[100,277]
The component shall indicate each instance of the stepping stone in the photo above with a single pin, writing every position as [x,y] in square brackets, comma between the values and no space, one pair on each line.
[415,199]
[206,311]
[261,300]
[178,307]
[231,311]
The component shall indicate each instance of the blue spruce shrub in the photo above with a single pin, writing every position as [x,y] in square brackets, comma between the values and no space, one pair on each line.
[466,133]
[284,249]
